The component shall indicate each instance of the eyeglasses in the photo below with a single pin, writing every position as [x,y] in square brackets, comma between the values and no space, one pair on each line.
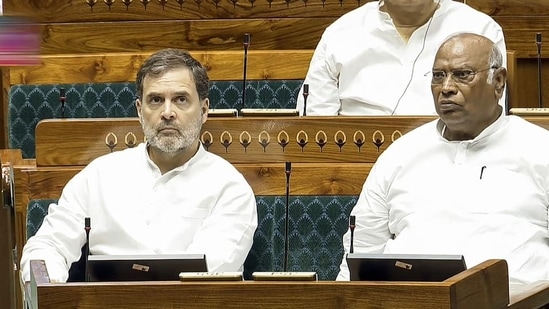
[460,76]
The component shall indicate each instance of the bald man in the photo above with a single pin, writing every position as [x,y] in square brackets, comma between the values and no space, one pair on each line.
[474,182]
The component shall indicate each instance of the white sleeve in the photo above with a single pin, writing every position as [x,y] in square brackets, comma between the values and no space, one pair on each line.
[61,236]
[372,220]
[226,235]
[323,79]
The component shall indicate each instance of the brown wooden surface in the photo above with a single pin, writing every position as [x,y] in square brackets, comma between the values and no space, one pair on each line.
[214,34]
[483,286]
[4,99]
[122,67]
[77,11]
[88,138]
[512,82]
[7,241]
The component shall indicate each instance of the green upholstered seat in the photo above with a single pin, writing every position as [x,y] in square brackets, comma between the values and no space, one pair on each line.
[28,104]
[316,225]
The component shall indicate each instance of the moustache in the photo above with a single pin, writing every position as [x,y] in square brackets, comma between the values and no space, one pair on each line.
[169,125]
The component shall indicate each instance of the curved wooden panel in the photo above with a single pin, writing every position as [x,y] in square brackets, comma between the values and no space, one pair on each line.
[122,67]
[70,11]
[238,140]
[214,34]
[497,8]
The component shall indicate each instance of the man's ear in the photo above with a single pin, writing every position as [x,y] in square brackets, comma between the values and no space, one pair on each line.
[138,108]
[205,108]
[500,78]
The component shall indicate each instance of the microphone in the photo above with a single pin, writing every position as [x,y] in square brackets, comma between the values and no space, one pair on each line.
[287,215]
[352,220]
[538,44]
[62,99]
[86,251]
[246,45]
[305,95]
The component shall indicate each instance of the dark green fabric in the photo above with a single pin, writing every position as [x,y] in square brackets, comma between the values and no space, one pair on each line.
[28,104]
[316,225]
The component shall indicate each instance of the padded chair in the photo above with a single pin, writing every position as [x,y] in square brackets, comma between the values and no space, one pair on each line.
[29,104]
[36,211]
[317,224]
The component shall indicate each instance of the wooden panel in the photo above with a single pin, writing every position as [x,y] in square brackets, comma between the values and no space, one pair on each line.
[77,11]
[215,34]
[122,67]
[520,34]
[239,140]
[4,99]
[265,179]
[7,239]
[482,286]
[512,83]
[498,8]
[527,83]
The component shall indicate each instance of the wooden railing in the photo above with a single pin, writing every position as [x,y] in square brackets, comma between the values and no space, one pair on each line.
[482,286]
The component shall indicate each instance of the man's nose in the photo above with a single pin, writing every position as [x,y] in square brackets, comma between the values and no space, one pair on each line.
[448,84]
[168,111]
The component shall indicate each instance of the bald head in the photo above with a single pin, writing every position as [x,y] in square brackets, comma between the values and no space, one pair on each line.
[468,81]
[471,44]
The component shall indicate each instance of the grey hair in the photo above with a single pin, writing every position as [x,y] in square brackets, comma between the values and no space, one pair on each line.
[495,61]
[169,59]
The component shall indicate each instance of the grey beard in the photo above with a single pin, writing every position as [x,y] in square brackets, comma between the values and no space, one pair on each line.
[171,144]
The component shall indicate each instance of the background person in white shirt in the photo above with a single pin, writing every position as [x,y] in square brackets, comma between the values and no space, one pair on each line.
[474,182]
[161,197]
[374,59]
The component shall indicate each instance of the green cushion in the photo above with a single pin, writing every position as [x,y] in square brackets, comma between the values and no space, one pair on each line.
[29,104]
[316,225]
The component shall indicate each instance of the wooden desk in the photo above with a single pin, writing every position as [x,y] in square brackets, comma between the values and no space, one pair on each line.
[483,286]
[7,239]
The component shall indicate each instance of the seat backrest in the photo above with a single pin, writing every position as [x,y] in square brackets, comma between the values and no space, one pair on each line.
[316,227]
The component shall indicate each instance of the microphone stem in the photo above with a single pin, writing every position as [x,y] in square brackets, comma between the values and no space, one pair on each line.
[287,217]
[540,100]
[86,252]
[246,45]
[351,249]
[305,95]
[244,77]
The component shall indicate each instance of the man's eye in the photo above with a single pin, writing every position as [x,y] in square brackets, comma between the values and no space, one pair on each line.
[462,74]
[439,75]
[181,100]
[155,100]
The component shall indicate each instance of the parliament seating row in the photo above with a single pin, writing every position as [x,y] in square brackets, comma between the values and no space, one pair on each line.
[36,98]
[330,161]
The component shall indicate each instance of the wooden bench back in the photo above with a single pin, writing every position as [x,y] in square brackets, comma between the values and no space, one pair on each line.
[239,140]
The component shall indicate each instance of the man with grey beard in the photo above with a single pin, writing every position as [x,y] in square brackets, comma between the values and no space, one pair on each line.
[161,197]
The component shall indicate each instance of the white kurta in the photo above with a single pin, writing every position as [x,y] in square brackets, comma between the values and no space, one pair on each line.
[362,66]
[205,206]
[428,192]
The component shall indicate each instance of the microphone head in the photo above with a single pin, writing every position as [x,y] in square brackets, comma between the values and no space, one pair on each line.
[87,222]
[352,220]
[62,93]
[288,167]
[246,39]
[305,89]
[538,37]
